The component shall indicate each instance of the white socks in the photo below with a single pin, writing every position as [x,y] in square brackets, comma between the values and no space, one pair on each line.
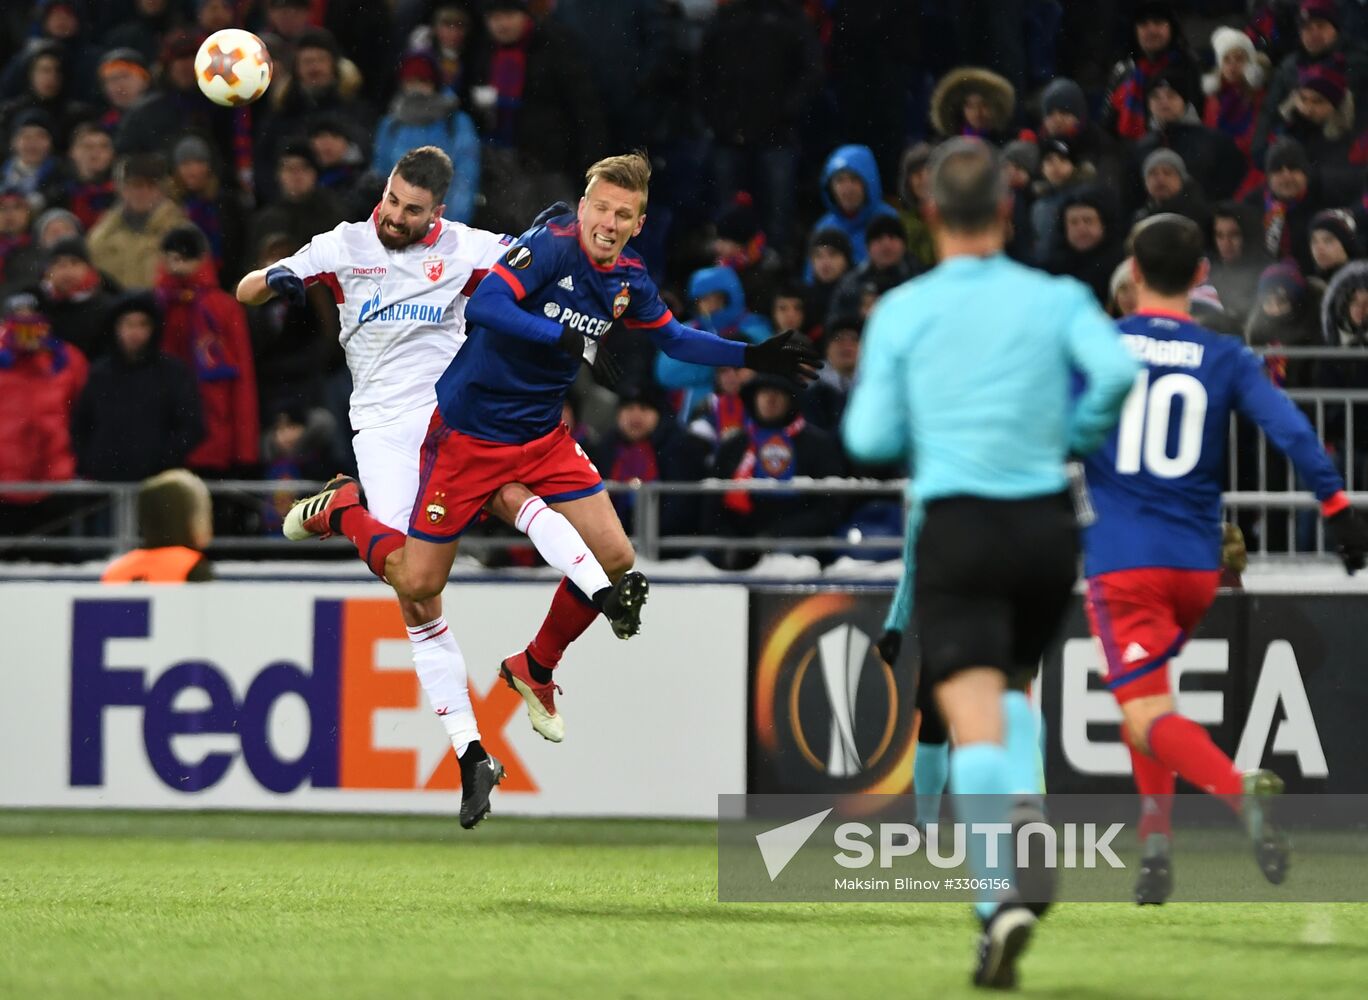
[561,545]
[442,672]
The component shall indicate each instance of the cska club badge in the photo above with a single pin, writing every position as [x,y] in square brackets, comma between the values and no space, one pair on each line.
[621,301]
[433,267]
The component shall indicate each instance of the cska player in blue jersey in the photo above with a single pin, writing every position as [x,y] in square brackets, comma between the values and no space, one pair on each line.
[1153,556]
[542,311]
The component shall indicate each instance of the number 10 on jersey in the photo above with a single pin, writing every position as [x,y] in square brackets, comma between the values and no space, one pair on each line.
[1143,435]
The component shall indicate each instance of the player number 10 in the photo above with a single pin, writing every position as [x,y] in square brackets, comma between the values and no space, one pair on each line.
[1144,428]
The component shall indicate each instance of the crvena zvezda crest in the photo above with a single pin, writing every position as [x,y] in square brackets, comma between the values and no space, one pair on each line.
[433,267]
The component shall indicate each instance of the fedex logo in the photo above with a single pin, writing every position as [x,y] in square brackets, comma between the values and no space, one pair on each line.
[346,690]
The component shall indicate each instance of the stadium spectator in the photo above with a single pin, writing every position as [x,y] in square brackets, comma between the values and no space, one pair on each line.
[829,258]
[853,195]
[1320,43]
[1158,50]
[343,171]
[1290,198]
[217,210]
[140,411]
[125,242]
[973,101]
[823,403]
[1169,188]
[913,191]
[321,83]
[124,79]
[1344,323]
[57,25]
[174,527]
[722,413]
[1064,115]
[647,446]
[532,81]
[1060,176]
[1319,113]
[215,15]
[77,298]
[20,260]
[788,310]
[1239,257]
[54,225]
[1212,158]
[719,306]
[286,23]
[1122,297]
[303,207]
[32,167]
[46,91]
[777,444]
[143,28]
[1286,313]
[753,117]
[1087,243]
[743,246]
[1334,242]
[40,378]
[421,115]
[89,173]
[1021,165]
[887,266]
[206,328]
[174,106]
[448,38]
[1235,92]
[297,444]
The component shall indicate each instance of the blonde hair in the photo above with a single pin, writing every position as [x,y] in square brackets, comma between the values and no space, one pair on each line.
[631,171]
[174,509]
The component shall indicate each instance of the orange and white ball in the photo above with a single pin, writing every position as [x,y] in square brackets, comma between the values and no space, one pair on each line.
[233,67]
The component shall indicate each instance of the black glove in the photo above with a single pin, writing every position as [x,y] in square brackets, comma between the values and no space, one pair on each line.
[571,342]
[1349,532]
[549,212]
[788,354]
[605,369]
[286,284]
[889,645]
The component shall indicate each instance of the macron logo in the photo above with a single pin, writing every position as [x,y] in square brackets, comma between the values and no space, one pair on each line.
[567,283]
[778,846]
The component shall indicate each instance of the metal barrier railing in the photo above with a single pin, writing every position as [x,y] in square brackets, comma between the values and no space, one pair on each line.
[118,504]
[113,512]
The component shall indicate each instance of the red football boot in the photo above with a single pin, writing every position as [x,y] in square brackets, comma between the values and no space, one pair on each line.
[540,698]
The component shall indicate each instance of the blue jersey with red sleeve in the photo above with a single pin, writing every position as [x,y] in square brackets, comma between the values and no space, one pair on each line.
[508,382]
[1156,482]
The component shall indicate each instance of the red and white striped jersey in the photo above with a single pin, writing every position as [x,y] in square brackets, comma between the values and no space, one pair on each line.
[402,312]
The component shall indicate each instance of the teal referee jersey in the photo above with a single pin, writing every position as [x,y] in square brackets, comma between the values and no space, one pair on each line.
[967,374]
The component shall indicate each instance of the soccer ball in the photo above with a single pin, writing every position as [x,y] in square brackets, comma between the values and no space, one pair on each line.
[233,67]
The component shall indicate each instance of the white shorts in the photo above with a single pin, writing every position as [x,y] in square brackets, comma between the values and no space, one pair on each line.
[387,461]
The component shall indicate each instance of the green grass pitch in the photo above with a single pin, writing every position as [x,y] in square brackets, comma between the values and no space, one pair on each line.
[124,905]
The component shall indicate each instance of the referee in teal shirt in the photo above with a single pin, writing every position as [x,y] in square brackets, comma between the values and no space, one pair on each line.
[966,373]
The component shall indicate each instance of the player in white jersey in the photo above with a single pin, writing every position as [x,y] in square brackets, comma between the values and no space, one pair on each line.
[400,280]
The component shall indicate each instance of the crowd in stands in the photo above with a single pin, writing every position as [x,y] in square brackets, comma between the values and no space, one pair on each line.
[790,140]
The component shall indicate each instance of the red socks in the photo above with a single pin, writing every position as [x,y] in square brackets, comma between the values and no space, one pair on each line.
[374,541]
[570,615]
[1181,745]
[1155,784]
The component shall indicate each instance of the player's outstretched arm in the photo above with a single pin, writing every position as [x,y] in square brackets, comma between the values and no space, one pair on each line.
[260,285]
[788,354]
[1261,401]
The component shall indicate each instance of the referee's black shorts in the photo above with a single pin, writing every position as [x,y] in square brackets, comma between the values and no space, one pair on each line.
[993,582]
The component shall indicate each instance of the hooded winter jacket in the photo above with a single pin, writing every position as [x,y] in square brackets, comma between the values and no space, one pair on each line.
[860,161]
